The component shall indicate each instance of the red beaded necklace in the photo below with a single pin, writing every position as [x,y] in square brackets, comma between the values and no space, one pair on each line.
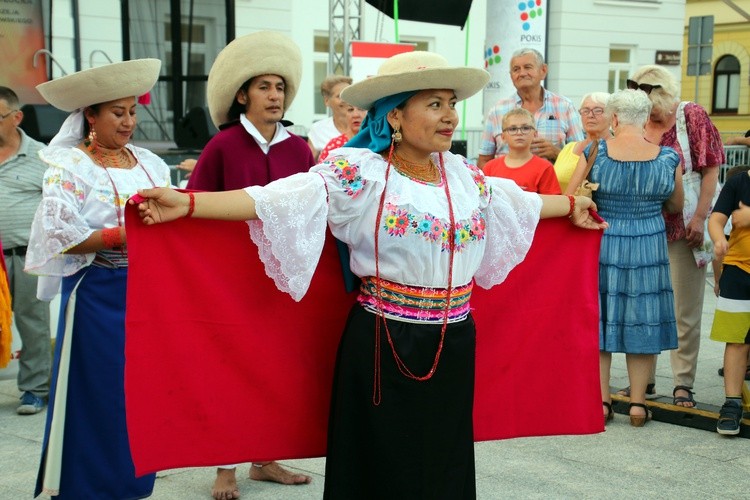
[376,393]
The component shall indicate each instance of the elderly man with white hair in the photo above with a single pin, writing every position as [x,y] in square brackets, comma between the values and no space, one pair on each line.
[557,121]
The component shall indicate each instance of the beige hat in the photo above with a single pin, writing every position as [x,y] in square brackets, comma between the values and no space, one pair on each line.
[416,70]
[101,84]
[261,53]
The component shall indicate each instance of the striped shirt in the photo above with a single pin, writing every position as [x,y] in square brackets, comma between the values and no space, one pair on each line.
[20,191]
[557,121]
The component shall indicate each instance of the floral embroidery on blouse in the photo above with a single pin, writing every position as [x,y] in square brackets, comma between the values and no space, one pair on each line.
[478,176]
[398,221]
[108,197]
[348,175]
[65,185]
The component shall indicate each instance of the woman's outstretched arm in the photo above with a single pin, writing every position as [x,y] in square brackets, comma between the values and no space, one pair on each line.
[163,205]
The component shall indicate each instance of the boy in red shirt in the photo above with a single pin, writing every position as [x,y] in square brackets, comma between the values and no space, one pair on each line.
[532,173]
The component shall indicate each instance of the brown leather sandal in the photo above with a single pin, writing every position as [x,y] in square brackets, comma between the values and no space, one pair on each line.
[640,420]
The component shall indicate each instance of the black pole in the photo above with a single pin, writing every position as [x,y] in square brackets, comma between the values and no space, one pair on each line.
[76,34]
[125,28]
[189,45]
[230,20]
[176,80]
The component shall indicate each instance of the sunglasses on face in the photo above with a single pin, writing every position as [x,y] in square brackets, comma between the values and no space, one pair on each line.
[646,87]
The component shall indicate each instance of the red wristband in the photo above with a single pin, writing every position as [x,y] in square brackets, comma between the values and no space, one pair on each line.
[191,207]
[572,200]
[111,237]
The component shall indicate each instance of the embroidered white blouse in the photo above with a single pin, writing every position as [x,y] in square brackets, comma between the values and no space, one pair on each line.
[495,222]
[79,198]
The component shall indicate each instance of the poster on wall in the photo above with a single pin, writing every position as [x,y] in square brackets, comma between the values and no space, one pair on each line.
[21,35]
[368,56]
[511,25]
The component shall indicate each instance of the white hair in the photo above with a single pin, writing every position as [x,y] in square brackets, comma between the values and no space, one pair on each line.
[528,50]
[597,97]
[632,107]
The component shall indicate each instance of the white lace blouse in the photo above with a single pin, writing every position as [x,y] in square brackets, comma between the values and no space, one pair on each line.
[495,222]
[79,198]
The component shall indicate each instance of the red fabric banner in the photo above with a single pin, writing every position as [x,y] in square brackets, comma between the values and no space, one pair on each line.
[212,346]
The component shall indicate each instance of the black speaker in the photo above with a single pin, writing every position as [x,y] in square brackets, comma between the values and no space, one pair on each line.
[42,121]
[458,148]
[194,129]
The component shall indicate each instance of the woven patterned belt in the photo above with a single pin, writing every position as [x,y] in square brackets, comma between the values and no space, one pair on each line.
[111,259]
[414,303]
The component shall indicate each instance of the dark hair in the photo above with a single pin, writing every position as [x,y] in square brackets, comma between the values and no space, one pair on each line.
[95,109]
[9,96]
[237,109]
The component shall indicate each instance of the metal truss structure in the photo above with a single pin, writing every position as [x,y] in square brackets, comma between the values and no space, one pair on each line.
[346,25]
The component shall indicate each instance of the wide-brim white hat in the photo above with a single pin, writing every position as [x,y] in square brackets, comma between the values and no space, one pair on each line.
[417,70]
[101,84]
[260,53]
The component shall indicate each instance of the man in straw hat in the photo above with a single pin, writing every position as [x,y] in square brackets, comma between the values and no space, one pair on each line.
[422,225]
[251,84]
[78,239]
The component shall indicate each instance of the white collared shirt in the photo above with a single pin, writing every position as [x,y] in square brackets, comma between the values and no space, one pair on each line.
[280,134]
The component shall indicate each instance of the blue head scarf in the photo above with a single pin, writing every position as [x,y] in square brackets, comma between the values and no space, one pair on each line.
[375,132]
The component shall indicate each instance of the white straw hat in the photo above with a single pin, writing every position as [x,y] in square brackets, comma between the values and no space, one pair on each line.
[261,53]
[101,84]
[416,70]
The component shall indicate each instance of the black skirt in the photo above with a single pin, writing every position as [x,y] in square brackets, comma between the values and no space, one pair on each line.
[419,441]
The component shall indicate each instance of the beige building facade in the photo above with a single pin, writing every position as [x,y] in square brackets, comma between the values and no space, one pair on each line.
[725,92]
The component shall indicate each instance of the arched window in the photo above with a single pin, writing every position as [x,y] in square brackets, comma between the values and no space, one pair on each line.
[727,85]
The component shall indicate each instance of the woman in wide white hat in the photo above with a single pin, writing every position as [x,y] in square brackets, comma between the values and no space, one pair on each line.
[78,237]
[421,224]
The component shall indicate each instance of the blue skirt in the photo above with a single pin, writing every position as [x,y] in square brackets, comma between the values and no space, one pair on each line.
[95,461]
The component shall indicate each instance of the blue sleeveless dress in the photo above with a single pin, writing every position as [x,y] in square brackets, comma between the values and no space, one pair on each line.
[635,290]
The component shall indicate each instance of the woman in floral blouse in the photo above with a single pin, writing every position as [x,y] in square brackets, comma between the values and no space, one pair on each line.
[78,245]
[684,234]
[421,225]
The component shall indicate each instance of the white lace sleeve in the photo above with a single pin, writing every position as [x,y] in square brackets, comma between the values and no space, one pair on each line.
[291,229]
[511,217]
[58,226]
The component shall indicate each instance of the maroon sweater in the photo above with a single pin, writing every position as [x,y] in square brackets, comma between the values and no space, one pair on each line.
[233,160]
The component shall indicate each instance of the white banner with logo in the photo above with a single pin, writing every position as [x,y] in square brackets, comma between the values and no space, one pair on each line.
[511,25]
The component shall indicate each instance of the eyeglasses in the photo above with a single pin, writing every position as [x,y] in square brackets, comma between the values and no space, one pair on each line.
[646,87]
[591,111]
[519,130]
[6,115]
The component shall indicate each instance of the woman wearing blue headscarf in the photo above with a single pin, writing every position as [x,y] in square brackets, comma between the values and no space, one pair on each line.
[421,225]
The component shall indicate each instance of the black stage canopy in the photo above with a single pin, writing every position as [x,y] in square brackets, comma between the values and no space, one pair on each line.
[452,12]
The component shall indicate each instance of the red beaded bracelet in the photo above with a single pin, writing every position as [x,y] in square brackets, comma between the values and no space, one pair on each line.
[111,237]
[191,207]
[572,200]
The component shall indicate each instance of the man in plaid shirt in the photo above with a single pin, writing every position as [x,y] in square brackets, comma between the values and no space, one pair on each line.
[557,120]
